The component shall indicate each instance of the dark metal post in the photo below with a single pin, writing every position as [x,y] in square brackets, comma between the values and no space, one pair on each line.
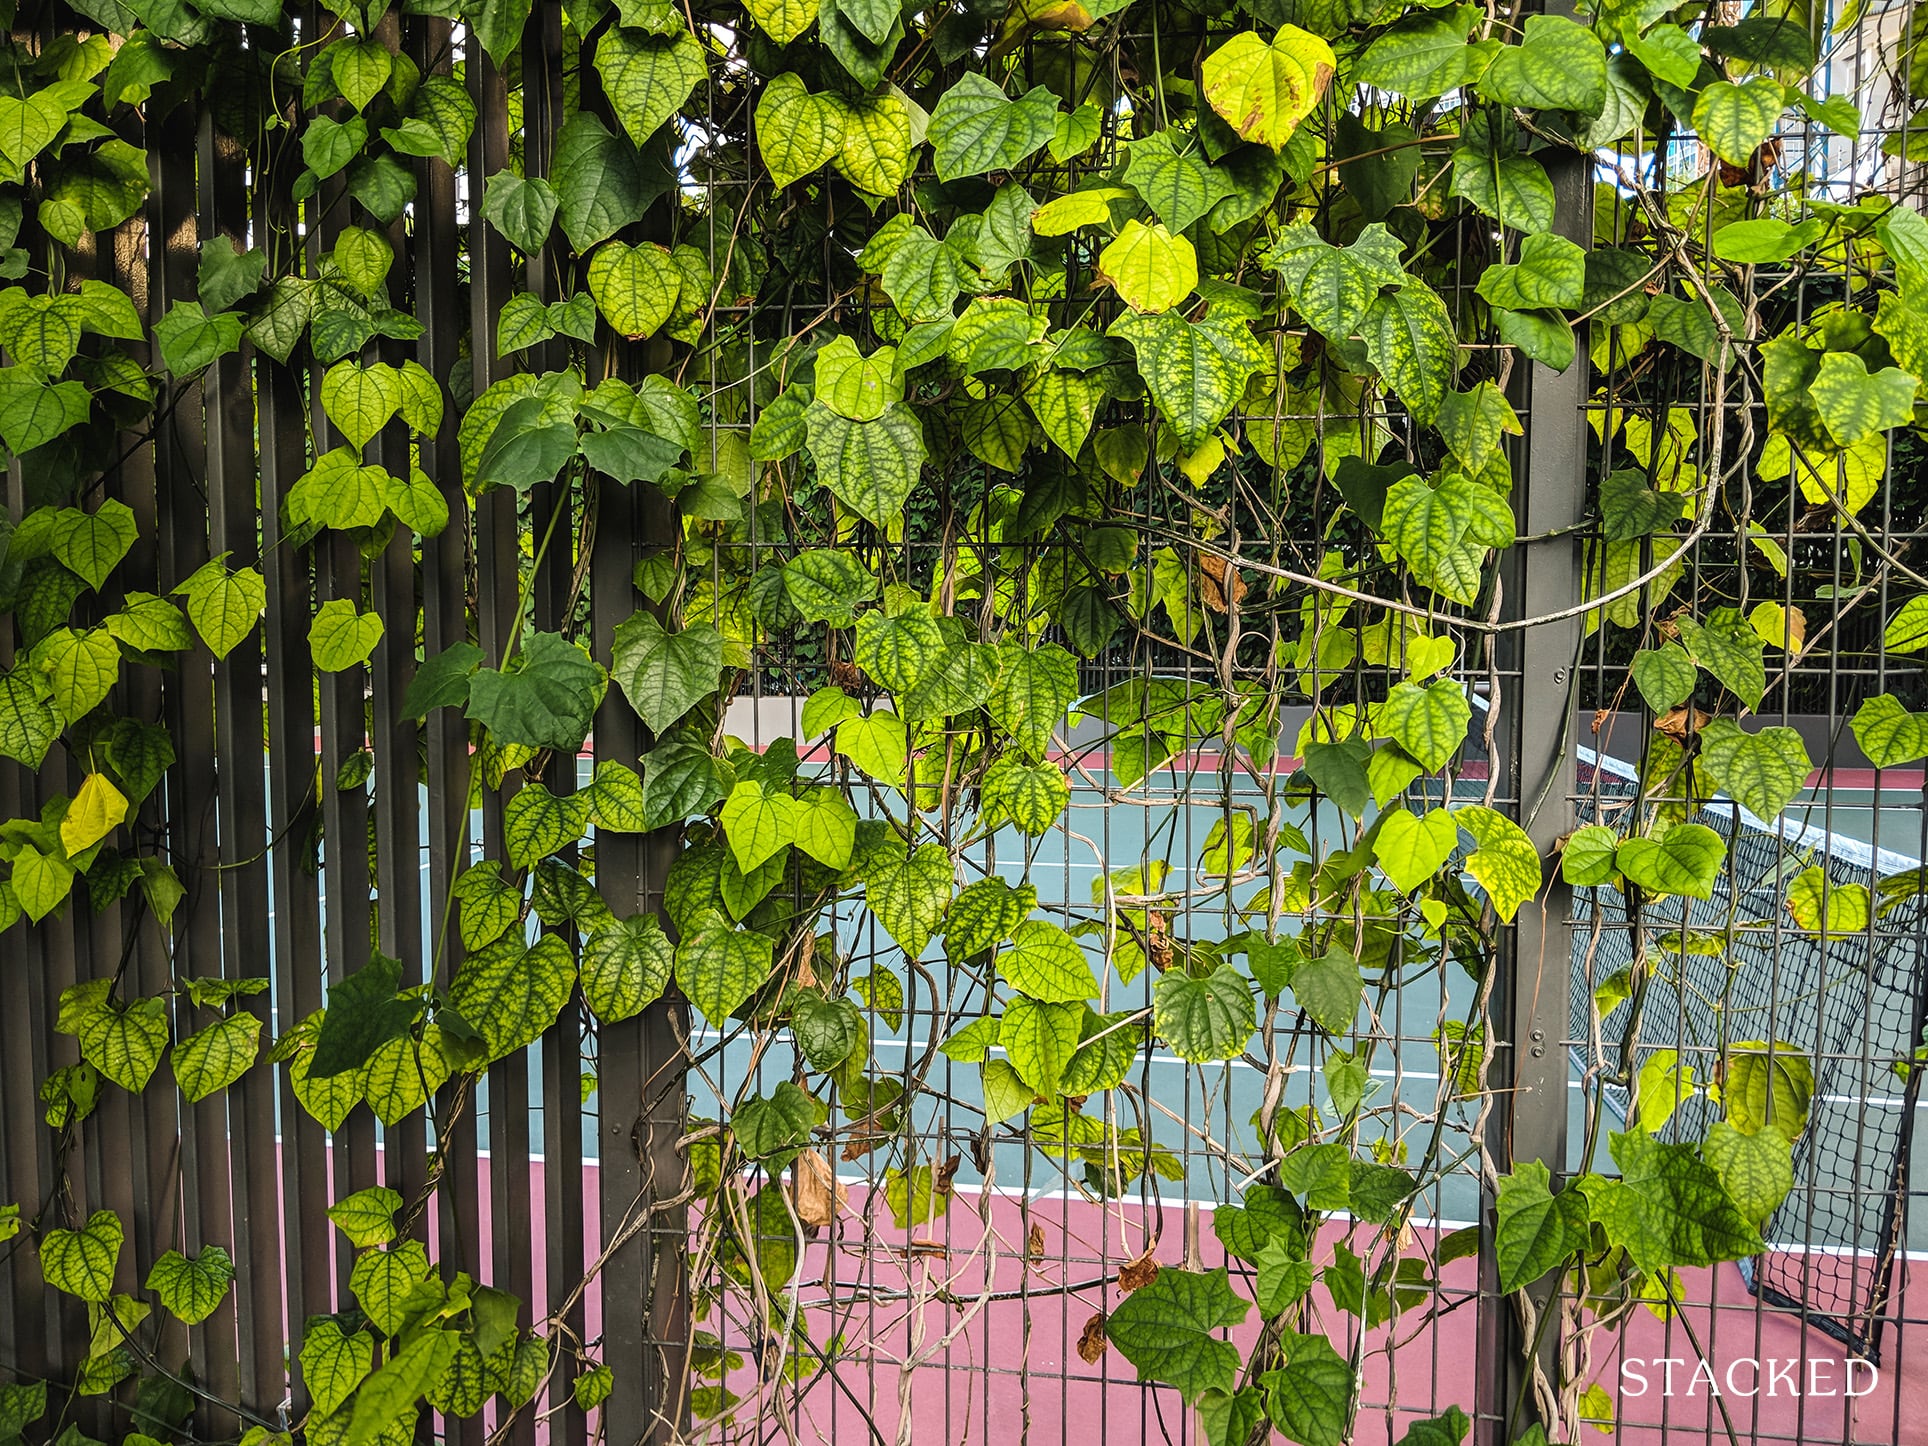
[1536,762]
[642,1063]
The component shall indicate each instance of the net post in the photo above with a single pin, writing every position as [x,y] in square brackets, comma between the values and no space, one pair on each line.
[1534,758]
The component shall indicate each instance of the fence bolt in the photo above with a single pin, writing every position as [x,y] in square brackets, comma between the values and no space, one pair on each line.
[1559,677]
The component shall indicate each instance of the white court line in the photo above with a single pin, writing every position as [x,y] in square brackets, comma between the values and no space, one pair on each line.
[1158,1058]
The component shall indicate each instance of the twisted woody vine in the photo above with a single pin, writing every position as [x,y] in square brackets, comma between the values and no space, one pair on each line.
[1132,287]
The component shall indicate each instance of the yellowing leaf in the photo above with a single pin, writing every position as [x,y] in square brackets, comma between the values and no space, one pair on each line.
[875,155]
[1065,404]
[782,20]
[1263,91]
[796,132]
[1199,465]
[1736,120]
[1851,477]
[1152,269]
[1506,862]
[1080,208]
[635,287]
[1780,627]
[856,386]
[95,812]
[1821,906]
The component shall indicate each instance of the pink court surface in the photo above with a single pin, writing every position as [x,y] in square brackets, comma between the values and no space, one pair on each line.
[978,1341]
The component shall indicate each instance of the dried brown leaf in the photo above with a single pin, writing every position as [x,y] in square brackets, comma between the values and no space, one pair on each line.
[1139,1273]
[1091,1341]
[817,1193]
[1674,722]
[1158,940]
[1213,572]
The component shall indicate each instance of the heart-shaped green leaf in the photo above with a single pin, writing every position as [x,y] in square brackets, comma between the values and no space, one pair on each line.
[1686,859]
[342,636]
[1736,120]
[797,132]
[636,287]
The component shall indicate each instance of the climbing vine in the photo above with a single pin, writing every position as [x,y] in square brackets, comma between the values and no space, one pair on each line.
[955,347]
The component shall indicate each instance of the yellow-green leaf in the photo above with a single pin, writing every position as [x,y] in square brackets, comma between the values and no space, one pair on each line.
[825,826]
[224,605]
[367,1217]
[342,636]
[1505,862]
[1411,848]
[856,386]
[998,430]
[871,467]
[361,400]
[81,1262]
[797,132]
[1264,90]
[1152,269]
[625,965]
[635,287]
[333,1364]
[360,69]
[876,149]
[1736,120]
[758,822]
[1409,338]
[211,1059]
[782,20]
[878,744]
[511,993]
[1888,733]
[96,811]
[719,968]
[1855,403]
[648,77]
[1196,371]
[1065,404]
[80,668]
[976,128]
[192,1288]
[91,544]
